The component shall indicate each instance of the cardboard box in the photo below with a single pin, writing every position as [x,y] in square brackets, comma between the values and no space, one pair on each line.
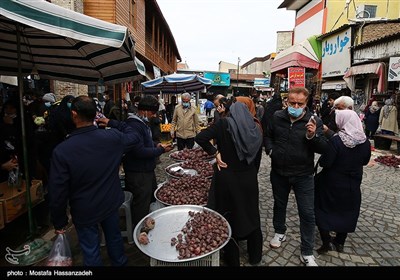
[1,216]
[14,199]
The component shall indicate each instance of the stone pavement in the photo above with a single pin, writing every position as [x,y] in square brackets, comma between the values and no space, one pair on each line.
[376,241]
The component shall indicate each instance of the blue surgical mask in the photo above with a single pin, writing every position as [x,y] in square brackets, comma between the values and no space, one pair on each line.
[295,112]
[186,104]
[69,105]
[47,104]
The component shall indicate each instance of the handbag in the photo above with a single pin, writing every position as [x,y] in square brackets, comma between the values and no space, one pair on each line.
[60,254]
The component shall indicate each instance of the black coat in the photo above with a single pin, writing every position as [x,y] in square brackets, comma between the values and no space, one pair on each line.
[236,187]
[372,120]
[292,153]
[338,196]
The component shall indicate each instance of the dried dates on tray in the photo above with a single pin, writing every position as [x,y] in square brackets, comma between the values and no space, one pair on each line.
[186,190]
[186,168]
[183,233]
[203,233]
[190,154]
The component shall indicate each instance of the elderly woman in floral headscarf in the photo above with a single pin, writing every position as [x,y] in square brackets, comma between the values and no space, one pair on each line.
[338,194]
[388,118]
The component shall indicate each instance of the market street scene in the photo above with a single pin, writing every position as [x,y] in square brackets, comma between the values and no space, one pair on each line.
[129,139]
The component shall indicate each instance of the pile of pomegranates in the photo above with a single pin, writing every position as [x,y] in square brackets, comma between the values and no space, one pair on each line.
[391,160]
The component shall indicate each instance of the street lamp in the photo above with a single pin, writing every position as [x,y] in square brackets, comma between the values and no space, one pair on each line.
[237,77]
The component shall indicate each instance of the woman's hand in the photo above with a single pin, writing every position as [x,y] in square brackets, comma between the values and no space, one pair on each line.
[221,108]
[220,163]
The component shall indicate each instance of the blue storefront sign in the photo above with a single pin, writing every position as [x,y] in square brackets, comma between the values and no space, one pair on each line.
[218,79]
[261,82]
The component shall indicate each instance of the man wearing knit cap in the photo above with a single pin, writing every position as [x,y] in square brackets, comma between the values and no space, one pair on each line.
[49,99]
[140,163]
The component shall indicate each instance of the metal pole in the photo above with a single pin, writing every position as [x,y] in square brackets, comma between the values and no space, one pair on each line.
[32,228]
[237,77]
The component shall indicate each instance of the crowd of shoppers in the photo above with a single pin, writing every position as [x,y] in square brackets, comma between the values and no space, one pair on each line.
[291,134]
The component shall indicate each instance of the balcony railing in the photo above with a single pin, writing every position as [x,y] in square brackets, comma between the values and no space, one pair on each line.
[157,60]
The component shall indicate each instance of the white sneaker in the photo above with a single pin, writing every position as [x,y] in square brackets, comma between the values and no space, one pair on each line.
[308,260]
[276,242]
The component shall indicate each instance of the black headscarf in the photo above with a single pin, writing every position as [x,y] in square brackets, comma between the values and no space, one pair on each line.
[246,134]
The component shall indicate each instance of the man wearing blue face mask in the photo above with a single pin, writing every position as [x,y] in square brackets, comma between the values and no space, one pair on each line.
[185,123]
[291,139]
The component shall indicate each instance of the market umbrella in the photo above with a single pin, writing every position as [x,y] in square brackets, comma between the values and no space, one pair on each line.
[37,37]
[63,45]
[176,83]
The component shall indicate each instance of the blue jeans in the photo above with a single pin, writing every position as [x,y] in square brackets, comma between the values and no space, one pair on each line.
[303,187]
[89,241]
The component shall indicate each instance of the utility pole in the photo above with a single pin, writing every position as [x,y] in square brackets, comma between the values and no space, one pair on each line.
[237,78]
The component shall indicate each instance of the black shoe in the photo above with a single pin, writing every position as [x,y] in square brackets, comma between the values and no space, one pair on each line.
[339,247]
[255,261]
[325,248]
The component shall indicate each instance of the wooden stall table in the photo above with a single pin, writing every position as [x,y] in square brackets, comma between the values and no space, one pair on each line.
[13,200]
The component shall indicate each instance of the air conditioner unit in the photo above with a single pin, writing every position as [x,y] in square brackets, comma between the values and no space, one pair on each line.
[360,12]
[366,11]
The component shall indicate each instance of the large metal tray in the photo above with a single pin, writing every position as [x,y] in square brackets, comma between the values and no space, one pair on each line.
[161,201]
[155,195]
[168,223]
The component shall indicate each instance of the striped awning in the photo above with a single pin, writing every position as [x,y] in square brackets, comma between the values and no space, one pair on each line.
[176,83]
[300,55]
[63,45]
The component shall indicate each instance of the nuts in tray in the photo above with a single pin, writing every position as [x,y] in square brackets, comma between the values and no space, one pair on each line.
[203,168]
[186,190]
[204,232]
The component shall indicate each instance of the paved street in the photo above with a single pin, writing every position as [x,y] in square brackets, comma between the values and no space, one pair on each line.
[376,241]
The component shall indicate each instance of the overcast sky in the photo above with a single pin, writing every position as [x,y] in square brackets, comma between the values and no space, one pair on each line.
[209,31]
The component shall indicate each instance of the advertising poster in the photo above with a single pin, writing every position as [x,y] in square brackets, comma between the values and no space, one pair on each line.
[394,69]
[296,77]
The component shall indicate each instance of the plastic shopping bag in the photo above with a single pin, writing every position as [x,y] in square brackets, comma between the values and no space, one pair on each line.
[60,254]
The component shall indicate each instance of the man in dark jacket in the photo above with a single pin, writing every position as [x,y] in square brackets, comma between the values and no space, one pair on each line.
[328,111]
[84,173]
[291,140]
[140,163]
